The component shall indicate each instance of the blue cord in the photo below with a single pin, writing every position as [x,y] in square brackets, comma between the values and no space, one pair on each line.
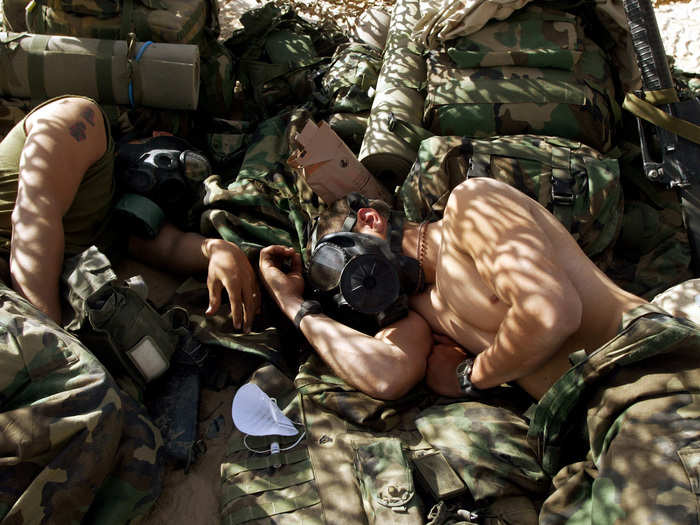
[131,82]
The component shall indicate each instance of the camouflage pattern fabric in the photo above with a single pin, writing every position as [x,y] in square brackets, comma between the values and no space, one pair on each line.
[266,203]
[181,21]
[101,8]
[279,54]
[332,410]
[523,86]
[577,184]
[264,340]
[485,442]
[351,78]
[635,401]
[319,384]
[75,447]
[653,251]
[618,434]
[259,489]
[386,483]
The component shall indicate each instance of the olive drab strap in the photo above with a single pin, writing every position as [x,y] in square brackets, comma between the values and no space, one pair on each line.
[645,108]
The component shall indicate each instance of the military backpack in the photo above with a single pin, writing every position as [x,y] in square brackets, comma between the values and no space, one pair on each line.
[535,72]
[577,184]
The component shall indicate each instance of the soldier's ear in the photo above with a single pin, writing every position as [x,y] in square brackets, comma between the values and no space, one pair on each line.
[370,220]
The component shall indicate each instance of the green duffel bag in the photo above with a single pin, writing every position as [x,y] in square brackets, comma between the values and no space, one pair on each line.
[536,72]
[171,21]
[576,183]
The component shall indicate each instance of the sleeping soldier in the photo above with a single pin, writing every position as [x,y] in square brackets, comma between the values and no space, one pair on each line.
[498,292]
[74,446]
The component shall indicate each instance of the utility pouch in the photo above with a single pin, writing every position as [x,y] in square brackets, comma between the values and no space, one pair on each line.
[116,322]
[436,476]
[386,483]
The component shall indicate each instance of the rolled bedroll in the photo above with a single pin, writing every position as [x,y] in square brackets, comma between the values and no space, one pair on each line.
[395,126]
[151,74]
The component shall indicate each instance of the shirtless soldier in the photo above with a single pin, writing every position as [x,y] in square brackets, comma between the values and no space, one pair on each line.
[507,283]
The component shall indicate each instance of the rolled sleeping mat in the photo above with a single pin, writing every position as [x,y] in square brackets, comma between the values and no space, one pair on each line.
[372,27]
[110,71]
[395,126]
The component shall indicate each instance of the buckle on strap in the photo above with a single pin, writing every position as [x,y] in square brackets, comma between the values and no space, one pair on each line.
[562,192]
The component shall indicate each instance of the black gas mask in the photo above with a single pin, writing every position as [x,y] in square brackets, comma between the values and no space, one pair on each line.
[158,178]
[362,280]
[165,169]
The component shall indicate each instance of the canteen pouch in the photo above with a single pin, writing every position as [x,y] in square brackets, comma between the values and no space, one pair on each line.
[116,322]
[386,483]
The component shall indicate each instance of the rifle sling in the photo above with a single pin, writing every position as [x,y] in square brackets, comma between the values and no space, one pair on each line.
[644,110]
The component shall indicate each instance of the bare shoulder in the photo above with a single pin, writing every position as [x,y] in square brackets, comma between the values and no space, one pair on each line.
[72,128]
[486,189]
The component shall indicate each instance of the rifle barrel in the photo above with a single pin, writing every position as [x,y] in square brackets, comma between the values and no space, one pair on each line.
[648,45]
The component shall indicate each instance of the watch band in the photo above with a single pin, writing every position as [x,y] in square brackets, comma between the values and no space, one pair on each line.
[307,308]
[464,376]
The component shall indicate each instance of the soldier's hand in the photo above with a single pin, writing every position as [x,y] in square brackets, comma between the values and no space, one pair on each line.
[281,273]
[229,268]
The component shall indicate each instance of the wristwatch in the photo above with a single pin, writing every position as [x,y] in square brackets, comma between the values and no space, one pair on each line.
[307,308]
[464,376]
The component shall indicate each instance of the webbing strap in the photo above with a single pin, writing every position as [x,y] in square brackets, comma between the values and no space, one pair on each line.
[295,498]
[127,15]
[646,111]
[264,462]
[563,194]
[411,134]
[35,66]
[282,478]
[103,70]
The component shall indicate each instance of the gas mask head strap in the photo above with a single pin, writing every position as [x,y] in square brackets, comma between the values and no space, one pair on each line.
[355,201]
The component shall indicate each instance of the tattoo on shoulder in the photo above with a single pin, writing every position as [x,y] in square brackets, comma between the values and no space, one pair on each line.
[77,131]
[89,115]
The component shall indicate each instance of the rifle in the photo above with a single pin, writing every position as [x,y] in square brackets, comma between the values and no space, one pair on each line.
[669,128]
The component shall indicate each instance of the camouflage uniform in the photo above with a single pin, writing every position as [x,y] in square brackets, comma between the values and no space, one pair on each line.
[73,446]
[618,434]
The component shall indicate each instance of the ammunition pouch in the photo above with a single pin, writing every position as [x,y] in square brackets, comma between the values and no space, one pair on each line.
[116,322]
[386,483]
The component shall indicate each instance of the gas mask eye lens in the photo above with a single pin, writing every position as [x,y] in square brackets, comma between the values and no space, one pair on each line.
[196,166]
[326,266]
[369,284]
[164,160]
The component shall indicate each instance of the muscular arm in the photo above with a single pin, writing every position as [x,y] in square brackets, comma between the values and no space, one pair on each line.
[498,227]
[385,366]
[63,139]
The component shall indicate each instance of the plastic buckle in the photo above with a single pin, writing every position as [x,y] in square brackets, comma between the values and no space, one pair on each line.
[392,121]
[562,192]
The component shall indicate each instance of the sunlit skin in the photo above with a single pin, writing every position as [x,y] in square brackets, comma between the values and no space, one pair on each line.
[64,138]
[506,283]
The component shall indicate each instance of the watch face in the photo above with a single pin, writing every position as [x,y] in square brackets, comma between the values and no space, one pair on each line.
[464,372]
[465,367]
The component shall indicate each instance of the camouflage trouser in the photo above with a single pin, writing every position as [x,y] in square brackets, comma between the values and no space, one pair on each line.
[619,433]
[73,446]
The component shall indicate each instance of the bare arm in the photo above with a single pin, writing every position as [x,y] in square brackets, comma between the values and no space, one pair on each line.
[495,225]
[385,366]
[63,139]
[226,265]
